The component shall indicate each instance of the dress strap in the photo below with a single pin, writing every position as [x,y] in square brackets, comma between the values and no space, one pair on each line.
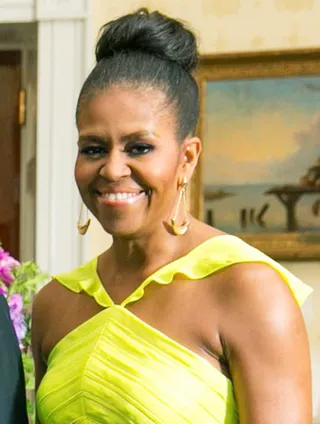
[207,258]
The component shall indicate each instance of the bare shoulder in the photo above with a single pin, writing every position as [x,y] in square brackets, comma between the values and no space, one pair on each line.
[50,295]
[253,298]
[253,283]
[47,303]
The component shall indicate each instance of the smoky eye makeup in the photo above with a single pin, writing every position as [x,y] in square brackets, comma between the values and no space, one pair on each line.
[139,148]
[91,146]
[92,150]
[134,145]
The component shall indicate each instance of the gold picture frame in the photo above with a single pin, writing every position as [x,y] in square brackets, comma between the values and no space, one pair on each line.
[293,66]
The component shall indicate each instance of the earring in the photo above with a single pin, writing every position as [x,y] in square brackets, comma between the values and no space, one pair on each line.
[179,230]
[83,228]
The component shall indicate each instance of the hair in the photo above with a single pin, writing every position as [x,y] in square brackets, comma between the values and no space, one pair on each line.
[148,50]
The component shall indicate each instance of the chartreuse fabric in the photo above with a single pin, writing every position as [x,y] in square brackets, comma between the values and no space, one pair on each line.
[116,369]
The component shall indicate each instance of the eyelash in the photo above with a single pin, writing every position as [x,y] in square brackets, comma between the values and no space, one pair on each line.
[136,149]
[92,151]
[140,148]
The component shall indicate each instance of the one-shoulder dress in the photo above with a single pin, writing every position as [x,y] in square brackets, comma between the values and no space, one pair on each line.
[117,369]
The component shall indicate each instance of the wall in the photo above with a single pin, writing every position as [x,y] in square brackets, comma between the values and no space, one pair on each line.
[233,25]
[241,25]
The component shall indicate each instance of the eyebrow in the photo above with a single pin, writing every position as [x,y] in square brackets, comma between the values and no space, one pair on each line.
[135,135]
[124,139]
[91,138]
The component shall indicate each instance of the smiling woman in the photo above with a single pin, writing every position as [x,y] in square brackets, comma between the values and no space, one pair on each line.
[177,321]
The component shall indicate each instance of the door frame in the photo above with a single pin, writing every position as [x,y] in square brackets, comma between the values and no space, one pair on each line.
[63,43]
[19,37]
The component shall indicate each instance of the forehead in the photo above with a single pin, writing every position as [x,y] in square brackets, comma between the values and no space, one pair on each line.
[122,105]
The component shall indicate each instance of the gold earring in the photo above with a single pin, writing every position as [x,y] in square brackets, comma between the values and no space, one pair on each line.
[83,228]
[179,230]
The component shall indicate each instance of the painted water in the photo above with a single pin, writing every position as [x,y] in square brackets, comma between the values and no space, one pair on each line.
[226,212]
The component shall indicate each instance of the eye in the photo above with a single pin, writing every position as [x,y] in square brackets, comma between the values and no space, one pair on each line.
[93,151]
[139,149]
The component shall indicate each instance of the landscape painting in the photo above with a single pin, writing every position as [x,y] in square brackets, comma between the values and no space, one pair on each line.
[260,166]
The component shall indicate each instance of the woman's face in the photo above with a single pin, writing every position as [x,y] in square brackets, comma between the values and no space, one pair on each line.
[129,162]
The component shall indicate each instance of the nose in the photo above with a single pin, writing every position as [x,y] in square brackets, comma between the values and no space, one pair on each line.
[115,166]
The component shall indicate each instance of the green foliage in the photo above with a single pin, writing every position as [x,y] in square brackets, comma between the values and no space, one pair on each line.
[26,279]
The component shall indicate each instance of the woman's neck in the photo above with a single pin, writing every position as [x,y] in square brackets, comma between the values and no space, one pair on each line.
[146,251]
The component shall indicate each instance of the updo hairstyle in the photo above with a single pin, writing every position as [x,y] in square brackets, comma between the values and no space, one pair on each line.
[145,50]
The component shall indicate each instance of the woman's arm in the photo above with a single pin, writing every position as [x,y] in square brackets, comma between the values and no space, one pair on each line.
[267,347]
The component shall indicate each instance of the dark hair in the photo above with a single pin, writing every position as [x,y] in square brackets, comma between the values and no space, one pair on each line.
[143,50]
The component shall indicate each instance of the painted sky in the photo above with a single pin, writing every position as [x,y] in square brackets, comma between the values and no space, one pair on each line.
[261,130]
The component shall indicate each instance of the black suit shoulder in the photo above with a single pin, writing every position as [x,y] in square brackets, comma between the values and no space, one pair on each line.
[12,383]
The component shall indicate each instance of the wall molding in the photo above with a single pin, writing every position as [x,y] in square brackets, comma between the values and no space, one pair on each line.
[61,9]
[16,11]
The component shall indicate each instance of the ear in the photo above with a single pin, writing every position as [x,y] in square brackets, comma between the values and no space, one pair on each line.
[191,149]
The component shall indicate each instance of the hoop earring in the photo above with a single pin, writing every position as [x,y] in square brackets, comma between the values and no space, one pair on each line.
[83,228]
[179,230]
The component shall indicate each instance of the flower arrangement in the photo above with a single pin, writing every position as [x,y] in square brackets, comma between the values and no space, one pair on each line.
[19,282]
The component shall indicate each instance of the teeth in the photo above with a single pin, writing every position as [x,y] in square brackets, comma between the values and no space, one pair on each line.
[118,196]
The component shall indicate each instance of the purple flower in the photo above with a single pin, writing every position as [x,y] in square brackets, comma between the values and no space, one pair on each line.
[7,265]
[15,303]
[3,291]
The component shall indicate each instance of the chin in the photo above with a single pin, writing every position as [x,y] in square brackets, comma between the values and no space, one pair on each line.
[120,230]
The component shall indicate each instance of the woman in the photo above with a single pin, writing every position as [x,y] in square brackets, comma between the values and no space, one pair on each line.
[177,322]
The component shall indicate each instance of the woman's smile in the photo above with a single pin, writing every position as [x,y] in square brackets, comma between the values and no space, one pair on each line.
[119,198]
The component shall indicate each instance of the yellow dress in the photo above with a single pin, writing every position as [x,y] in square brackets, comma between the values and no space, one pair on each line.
[116,369]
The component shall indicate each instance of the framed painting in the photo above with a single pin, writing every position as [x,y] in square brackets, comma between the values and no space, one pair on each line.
[259,172]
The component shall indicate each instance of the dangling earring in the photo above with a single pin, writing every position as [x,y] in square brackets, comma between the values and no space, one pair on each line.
[83,228]
[179,230]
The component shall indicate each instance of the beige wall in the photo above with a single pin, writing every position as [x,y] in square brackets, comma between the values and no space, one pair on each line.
[240,25]
[233,25]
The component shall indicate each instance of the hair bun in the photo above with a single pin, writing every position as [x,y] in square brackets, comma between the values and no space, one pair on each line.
[151,33]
